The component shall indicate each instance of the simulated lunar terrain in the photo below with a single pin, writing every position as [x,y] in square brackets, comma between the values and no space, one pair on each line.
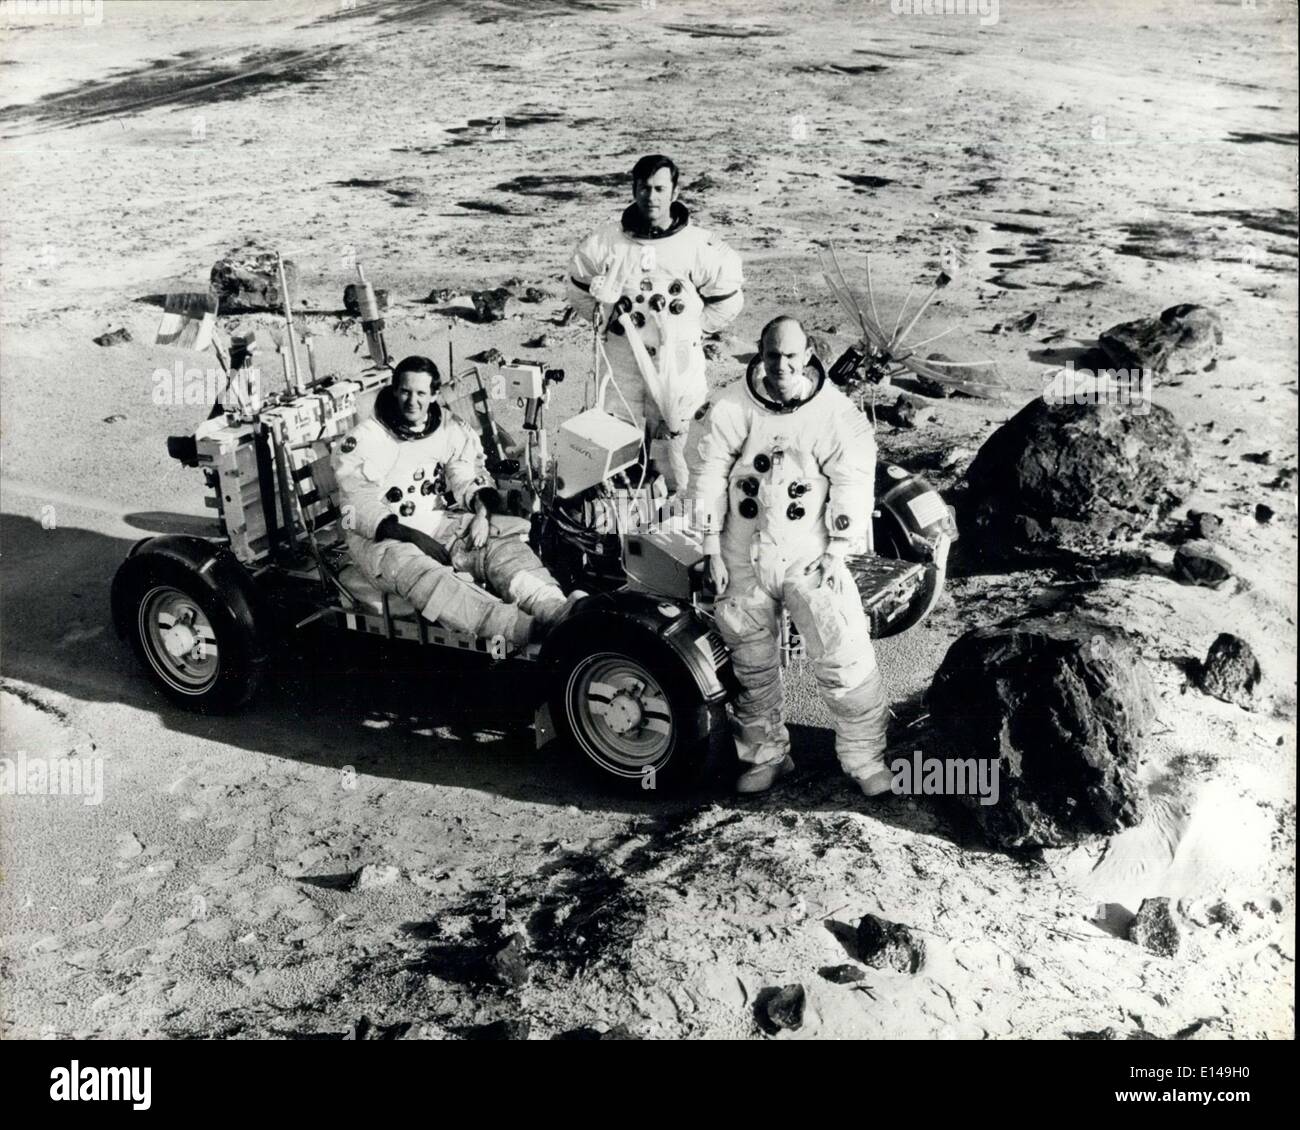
[375,848]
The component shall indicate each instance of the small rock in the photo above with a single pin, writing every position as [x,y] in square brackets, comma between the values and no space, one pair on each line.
[905,413]
[1224,914]
[1199,563]
[1263,458]
[440,296]
[353,305]
[490,305]
[1204,523]
[841,974]
[713,350]
[247,281]
[781,1009]
[566,316]
[1184,339]
[116,337]
[1230,671]
[116,417]
[1263,513]
[889,945]
[953,456]
[374,875]
[1019,325]
[1153,928]
[509,965]
[541,341]
[492,356]
[533,294]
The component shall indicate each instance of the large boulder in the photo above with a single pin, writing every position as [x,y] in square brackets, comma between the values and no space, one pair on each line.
[1184,339]
[1076,479]
[247,281]
[1062,703]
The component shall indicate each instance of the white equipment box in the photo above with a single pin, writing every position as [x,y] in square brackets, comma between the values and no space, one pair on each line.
[523,382]
[590,448]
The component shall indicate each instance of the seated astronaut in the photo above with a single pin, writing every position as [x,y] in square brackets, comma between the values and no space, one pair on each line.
[396,472]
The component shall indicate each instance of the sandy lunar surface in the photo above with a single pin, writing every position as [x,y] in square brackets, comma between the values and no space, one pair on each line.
[1092,163]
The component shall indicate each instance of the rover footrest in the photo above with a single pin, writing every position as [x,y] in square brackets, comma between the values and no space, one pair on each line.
[382,614]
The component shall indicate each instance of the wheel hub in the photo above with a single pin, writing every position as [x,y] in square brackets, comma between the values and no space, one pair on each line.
[179,640]
[625,712]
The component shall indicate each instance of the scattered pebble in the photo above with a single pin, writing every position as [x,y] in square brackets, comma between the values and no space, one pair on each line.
[1153,928]
[115,337]
[781,1009]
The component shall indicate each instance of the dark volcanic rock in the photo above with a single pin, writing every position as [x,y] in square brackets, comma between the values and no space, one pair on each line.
[1062,703]
[1263,513]
[1154,928]
[1231,672]
[490,305]
[889,945]
[490,356]
[1204,523]
[509,965]
[841,974]
[1199,563]
[246,282]
[1066,479]
[119,336]
[1184,339]
[779,1009]
[353,305]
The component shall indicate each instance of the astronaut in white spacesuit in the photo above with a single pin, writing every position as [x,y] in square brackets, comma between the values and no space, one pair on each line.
[396,472]
[783,493]
[653,284]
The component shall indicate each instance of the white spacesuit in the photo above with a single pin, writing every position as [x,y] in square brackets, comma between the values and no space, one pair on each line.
[654,296]
[383,470]
[778,486]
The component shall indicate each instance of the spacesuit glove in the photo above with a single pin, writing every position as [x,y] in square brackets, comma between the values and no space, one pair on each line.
[391,529]
[718,575]
[826,571]
[476,534]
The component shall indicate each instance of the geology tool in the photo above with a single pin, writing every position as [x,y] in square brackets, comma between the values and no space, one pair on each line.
[372,322]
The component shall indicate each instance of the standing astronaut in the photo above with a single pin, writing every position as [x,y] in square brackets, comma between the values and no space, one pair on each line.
[653,284]
[783,493]
[396,471]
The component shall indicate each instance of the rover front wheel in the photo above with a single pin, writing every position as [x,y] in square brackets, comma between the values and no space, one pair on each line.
[195,648]
[631,709]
